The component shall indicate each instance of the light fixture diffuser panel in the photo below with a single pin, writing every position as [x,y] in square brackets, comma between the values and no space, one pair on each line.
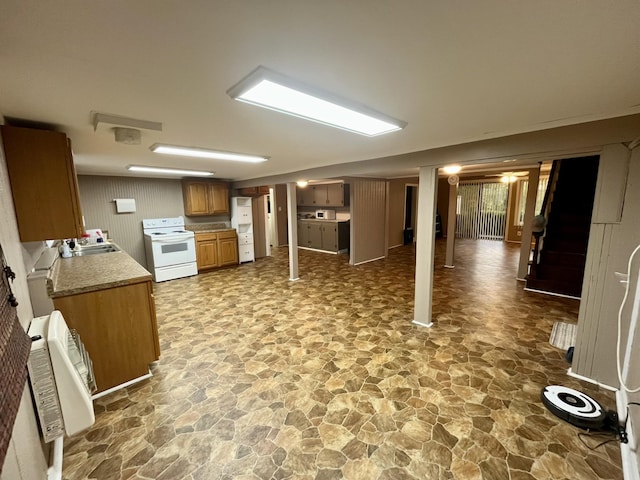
[274,91]
[205,153]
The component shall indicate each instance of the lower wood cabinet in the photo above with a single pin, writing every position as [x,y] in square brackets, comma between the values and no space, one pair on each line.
[119,329]
[216,249]
[323,235]
[207,250]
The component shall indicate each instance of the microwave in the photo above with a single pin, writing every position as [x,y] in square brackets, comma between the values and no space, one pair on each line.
[326,214]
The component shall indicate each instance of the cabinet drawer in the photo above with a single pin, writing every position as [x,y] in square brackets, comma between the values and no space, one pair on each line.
[229,234]
[245,239]
[203,237]
[245,253]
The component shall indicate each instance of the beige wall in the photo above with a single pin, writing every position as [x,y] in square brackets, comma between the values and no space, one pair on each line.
[611,243]
[25,459]
[281,211]
[396,209]
[155,198]
[368,232]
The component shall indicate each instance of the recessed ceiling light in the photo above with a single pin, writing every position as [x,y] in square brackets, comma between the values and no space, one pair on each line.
[452,169]
[205,153]
[508,178]
[169,171]
[268,89]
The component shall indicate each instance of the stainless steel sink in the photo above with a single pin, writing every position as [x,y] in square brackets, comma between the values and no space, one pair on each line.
[96,249]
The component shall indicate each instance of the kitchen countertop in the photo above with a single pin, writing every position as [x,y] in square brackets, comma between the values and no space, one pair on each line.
[321,220]
[71,276]
[208,227]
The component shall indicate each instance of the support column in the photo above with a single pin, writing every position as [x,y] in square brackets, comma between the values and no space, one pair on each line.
[529,213]
[292,225]
[425,245]
[451,224]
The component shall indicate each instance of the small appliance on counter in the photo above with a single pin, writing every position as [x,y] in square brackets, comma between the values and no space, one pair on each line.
[326,214]
[170,249]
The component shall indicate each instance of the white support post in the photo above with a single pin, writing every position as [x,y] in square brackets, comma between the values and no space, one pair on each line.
[292,225]
[425,245]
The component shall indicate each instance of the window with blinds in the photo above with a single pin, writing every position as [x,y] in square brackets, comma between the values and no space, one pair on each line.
[482,210]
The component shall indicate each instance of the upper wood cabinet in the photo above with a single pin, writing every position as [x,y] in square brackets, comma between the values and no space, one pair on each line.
[43,184]
[323,195]
[203,197]
[254,191]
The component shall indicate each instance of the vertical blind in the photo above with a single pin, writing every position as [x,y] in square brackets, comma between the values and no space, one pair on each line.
[482,210]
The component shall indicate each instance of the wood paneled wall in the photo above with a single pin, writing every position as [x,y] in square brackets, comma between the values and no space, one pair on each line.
[368,223]
[397,188]
[154,198]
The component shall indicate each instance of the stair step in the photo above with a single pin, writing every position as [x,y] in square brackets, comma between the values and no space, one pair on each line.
[552,286]
[571,245]
[561,273]
[570,259]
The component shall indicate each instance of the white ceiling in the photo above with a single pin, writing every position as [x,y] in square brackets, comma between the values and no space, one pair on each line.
[456,71]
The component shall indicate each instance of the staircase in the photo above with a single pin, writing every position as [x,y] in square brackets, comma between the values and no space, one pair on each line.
[559,267]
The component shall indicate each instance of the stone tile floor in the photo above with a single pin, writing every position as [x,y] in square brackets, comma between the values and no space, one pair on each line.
[327,378]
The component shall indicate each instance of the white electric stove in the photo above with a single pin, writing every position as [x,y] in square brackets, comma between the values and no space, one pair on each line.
[170,249]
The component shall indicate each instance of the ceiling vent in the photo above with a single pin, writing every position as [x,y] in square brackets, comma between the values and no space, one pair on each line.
[127,136]
[125,129]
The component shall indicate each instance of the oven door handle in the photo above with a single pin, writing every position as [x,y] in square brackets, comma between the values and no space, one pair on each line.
[172,242]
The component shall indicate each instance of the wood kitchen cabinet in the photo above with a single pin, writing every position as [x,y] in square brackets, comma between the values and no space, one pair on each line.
[330,237]
[314,239]
[203,197]
[253,191]
[227,248]
[323,195]
[216,249]
[43,184]
[304,196]
[119,329]
[207,250]
[323,235]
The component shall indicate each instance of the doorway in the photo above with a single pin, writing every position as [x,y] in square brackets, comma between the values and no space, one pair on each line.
[410,213]
[481,210]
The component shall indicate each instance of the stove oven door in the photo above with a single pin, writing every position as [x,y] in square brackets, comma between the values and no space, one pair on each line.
[173,251]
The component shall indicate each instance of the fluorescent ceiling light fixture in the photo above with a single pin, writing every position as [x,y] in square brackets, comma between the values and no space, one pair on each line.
[508,178]
[205,153]
[272,90]
[302,183]
[452,169]
[169,171]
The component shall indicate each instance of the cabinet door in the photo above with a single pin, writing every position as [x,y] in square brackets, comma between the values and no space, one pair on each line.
[196,197]
[330,237]
[303,234]
[218,198]
[319,195]
[315,235]
[207,254]
[117,328]
[245,253]
[228,251]
[43,184]
[244,215]
[335,194]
